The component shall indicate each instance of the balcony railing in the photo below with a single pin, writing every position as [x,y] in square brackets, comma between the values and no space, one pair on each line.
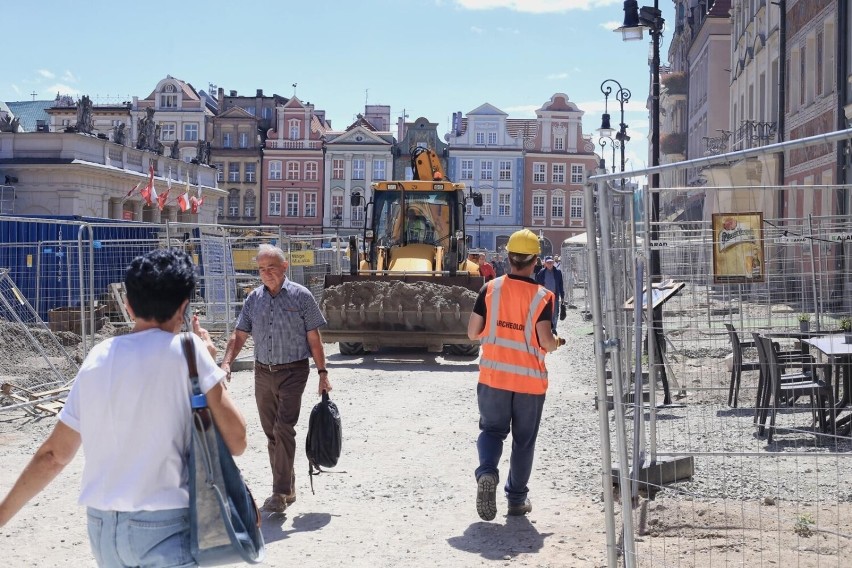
[294,144]
[753,134]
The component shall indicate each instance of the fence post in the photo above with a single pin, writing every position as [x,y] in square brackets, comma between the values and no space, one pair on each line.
[600,368]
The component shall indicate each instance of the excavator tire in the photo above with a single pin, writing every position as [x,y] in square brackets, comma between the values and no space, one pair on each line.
[463,350]
[347,348]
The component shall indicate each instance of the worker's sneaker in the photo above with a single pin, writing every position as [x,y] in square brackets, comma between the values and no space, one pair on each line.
[520,509]
[276,503]
[486,496]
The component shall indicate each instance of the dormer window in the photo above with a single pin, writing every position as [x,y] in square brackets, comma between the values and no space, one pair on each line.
[168,98]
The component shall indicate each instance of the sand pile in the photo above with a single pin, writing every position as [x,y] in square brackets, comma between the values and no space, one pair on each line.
[391,305]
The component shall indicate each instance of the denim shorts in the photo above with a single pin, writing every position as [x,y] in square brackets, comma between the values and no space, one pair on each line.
[158,539]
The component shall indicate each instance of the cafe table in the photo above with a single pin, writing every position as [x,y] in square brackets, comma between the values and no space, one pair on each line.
[839,354]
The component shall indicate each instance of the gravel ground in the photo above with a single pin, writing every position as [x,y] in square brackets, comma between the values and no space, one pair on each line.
[404,491]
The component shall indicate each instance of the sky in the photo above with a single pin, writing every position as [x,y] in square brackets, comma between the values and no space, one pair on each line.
[425,58]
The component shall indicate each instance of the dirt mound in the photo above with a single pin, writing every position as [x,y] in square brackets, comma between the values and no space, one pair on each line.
[395,305]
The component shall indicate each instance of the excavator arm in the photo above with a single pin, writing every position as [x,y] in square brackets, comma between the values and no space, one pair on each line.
[426,165]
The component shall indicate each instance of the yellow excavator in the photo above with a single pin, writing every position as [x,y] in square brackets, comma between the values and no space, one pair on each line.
[410,284]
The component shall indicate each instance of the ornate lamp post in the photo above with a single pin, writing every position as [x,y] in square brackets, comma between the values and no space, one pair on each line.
[479,221]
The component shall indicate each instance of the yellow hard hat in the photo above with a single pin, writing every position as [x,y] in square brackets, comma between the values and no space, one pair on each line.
[523,242]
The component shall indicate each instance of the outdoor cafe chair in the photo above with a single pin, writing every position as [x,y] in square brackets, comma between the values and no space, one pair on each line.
[739,364]
[784,387]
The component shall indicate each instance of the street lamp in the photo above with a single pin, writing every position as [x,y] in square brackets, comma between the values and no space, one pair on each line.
[622,96]
[614,144]
[635,20]
[479,221]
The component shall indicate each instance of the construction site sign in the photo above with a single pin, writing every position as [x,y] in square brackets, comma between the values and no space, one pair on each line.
[302,258]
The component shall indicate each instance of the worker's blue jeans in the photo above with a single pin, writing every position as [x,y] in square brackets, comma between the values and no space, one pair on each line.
[500,411]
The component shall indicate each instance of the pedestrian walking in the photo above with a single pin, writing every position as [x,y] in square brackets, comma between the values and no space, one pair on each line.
[485,268]
[283,319]
[511,318]
[551,278]
[129,408]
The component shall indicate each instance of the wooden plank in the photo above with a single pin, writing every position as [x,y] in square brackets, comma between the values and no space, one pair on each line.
[119,294]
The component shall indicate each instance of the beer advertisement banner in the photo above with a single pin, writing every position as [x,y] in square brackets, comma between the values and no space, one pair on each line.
[738,248]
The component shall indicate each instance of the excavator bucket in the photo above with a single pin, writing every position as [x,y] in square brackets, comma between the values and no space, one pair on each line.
[403,310]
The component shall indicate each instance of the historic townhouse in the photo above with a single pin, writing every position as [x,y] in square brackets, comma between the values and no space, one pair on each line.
[486,153]
[106,119]
[420,133]
[183,115]
[558,158]
[293,171]
[354,159]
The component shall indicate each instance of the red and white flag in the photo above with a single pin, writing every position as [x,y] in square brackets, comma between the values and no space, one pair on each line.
[183,199]
[196,202]
[161,199]
[135,189]
[149,194]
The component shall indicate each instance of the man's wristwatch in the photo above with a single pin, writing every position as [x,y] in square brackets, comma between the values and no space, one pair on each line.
[321,371]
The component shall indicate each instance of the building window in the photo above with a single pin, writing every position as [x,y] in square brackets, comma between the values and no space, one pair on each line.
[577,173]
[243,139]
[251,169]
[220,206]
[310,204]
[234,203]
[275,203]
[358,168]
[480,138]
[559,143]
[538,206]
[275,169]
[234,171]
[220,171]
[466,169]
[492,138]
[468,207]
[379,169]
[819,62]
[337,204]
[558,173]
[266,112]
[487,202]
[576,207]
[167,132]
[190,131]
[505,170]
[557,206]
[293,170]
[294,129]
[168,100]
[249,204]
[803,69]
[292,204]
[337,169]
[486,170]
[311,169]
[358,212]
[226,140]
[539,172]
[504,204]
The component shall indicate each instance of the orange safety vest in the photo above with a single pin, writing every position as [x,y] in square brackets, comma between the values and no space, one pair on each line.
[512,358]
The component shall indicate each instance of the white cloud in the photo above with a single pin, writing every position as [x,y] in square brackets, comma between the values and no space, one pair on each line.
[554,76]
[611,25]
[69,77]
[534,6]
[60,88]
[47,74]
[477,30]
[16,89]
[508,31]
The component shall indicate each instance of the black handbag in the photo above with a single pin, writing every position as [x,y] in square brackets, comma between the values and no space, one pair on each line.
[324,442]
[224,519]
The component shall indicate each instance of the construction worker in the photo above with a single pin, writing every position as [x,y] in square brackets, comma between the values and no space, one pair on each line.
[511,319]
[415,226]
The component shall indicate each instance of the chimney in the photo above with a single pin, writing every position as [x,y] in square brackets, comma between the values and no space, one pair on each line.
[233,93]
[260,92]
[220,97]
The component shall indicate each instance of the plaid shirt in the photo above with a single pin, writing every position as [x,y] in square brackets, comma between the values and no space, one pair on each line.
[279,324]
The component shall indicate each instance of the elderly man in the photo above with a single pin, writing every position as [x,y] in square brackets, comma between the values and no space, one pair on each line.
[282,318]
[551,278]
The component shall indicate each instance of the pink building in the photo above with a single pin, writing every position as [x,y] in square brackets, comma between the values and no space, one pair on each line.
[293,173]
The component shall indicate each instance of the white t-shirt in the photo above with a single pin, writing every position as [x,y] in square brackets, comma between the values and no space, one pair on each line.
[130,404]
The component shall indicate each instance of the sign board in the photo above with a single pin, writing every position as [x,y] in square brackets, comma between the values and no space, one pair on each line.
[791,240]
[217,268]
[738,248]
[838,237]
[127,215]
[302,258]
